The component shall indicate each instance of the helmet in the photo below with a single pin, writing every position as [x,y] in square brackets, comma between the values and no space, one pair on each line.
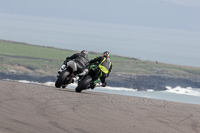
[84,52]
[107,54]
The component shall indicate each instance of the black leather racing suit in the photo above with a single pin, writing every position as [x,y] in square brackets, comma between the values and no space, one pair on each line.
[81,60]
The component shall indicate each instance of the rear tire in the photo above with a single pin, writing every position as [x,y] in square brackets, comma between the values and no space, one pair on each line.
[84,83]
[61,79]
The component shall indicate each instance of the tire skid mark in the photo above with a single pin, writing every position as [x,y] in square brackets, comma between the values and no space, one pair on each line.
[35,108]
[15,100]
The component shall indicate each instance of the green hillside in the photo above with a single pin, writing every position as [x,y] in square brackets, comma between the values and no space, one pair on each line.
[20,57]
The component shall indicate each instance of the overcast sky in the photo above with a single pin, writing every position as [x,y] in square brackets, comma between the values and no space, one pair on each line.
[176,14]
[164,30]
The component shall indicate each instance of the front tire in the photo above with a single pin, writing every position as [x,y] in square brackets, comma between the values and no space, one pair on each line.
[84,83]
[61,78]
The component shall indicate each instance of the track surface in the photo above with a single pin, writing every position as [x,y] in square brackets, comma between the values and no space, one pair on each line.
[29,108]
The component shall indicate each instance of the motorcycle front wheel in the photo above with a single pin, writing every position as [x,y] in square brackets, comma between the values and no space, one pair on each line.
[84,83]
[61,78]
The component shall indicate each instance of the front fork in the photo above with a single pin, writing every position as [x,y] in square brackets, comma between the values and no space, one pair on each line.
[62,68]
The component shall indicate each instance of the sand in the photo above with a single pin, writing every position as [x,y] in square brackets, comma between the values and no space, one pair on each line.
[31,108]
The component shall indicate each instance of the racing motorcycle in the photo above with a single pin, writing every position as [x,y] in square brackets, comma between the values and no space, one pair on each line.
[89,81]
[67,75]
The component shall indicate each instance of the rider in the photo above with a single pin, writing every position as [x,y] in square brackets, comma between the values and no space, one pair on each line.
[81,60]
[105,65]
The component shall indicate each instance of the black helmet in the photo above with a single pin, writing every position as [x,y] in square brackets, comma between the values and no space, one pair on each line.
[106,54]
[84,52]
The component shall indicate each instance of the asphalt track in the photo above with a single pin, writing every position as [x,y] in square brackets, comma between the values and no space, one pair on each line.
[30,108]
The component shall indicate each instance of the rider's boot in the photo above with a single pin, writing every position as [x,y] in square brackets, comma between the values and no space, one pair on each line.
[85,71]
[76,78]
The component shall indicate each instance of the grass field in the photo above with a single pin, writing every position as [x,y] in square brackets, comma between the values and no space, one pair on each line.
[46,60]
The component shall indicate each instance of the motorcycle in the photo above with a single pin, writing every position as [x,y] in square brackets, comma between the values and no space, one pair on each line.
[89,81]
[67,75]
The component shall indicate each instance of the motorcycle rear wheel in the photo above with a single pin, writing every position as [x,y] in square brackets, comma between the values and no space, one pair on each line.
[84,83]
[61,78]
